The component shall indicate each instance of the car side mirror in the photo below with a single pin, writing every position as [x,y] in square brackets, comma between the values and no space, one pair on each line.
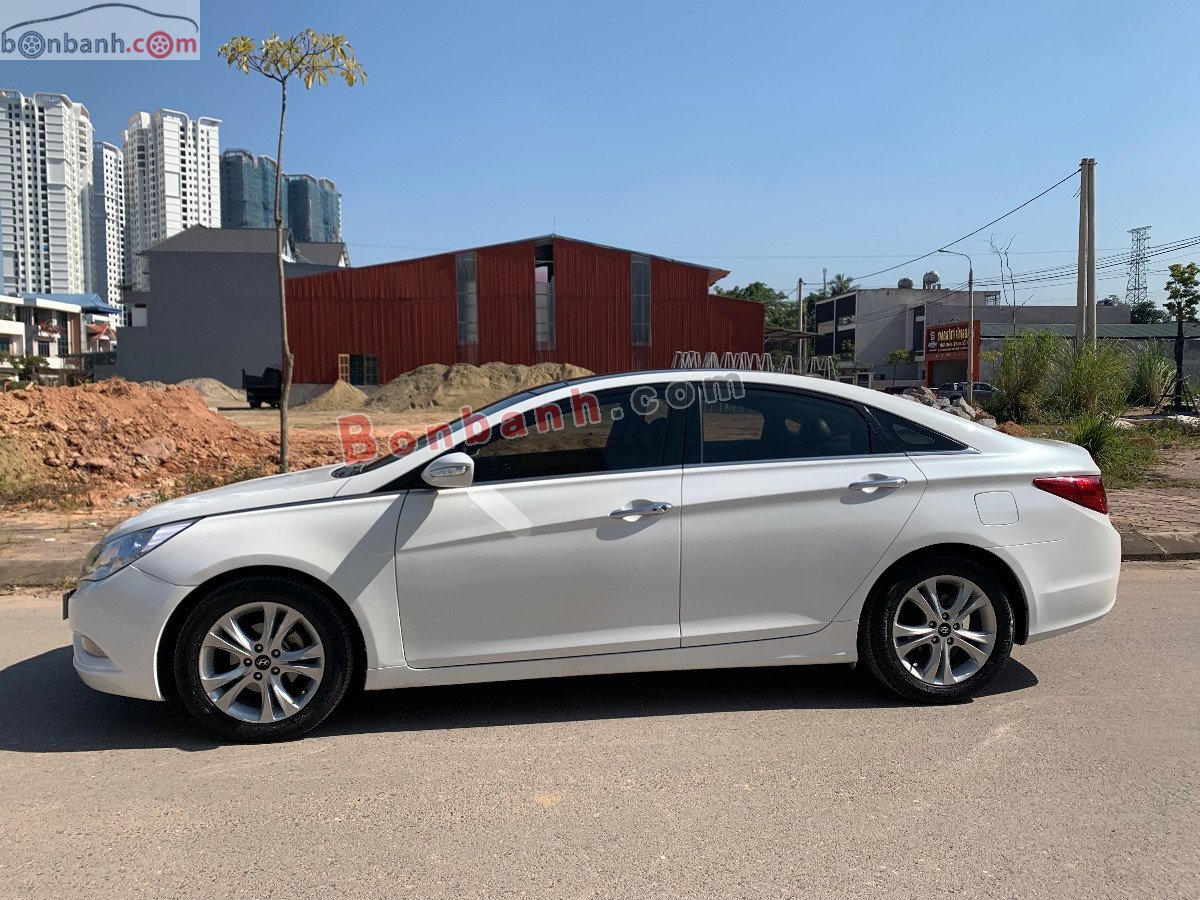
[450,471]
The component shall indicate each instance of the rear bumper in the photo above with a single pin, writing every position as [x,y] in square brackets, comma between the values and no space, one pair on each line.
[1068,583]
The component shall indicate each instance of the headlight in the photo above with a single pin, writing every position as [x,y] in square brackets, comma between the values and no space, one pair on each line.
[110,556]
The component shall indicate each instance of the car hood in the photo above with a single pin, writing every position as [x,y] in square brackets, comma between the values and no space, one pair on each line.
[274,490]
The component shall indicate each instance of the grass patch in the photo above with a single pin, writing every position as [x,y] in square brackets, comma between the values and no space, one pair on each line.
[41,494]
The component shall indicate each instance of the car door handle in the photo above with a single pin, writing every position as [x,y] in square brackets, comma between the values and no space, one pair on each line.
[871,484]
[648,509]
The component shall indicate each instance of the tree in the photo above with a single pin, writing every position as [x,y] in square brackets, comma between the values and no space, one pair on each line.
[841,284]
[1183,297]
[780,312]
[900,355]
[1145,312]
[312,57]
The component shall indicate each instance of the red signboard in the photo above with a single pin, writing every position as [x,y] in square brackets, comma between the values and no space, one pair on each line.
[949,340]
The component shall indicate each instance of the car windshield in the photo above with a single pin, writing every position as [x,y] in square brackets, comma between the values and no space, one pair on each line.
[455,426]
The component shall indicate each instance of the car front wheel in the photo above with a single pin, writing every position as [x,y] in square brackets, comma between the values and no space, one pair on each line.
[263,659]
[939,632]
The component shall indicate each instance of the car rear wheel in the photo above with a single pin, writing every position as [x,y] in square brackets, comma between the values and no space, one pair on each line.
[263,659]
[939,631]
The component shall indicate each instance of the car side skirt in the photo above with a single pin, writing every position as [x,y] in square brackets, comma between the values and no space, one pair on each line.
[836,643]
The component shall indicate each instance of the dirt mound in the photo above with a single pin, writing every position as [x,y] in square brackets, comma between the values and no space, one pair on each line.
[451,387]
[1014,429]
[102,440]
[340,396]
[214,392]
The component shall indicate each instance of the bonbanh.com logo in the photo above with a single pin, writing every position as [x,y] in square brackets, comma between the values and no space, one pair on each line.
[57,30]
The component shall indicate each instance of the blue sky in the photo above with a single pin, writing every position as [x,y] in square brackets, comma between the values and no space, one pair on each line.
[770,138]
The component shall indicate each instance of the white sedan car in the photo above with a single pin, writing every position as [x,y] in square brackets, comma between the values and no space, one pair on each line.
[639,522]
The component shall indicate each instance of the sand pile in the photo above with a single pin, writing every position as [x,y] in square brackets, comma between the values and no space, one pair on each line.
[110,437]
[339,397]
[215,392]
[451,387]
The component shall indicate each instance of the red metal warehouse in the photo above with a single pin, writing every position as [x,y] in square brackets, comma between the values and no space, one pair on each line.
[547,299]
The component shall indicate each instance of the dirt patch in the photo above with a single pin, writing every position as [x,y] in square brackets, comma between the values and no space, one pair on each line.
[214,392]
[1014,429]
[452,387]
[99,443]
[341,396]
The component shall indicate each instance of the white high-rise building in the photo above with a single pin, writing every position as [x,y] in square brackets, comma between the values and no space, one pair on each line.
[108,222]
[45,187]
[172,181]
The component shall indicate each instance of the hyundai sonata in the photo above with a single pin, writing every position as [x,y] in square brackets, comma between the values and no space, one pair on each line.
[639,522]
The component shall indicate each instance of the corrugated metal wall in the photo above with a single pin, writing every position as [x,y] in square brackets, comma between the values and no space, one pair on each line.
[592,287]
[405,312]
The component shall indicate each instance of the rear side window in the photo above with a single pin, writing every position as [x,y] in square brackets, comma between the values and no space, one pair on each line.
[764,425]
[913,438]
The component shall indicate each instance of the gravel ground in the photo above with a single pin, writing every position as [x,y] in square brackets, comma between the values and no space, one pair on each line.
[1075,775]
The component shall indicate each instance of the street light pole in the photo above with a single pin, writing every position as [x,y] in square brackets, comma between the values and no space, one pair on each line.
[970,324]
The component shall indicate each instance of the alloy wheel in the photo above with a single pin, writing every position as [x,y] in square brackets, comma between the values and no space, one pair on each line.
[261,662]
[944,630]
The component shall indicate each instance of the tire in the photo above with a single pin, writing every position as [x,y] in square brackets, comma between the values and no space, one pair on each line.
[909,657]
[255,404]
[272,689]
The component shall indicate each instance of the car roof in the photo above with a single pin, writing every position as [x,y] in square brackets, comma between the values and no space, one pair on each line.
[963,430]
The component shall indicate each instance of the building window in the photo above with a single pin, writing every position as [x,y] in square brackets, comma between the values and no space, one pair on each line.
[5,345]
[468,298]
[543,296]
[64,345]
[43,348]
[640,291]
[918,330]
[358,368]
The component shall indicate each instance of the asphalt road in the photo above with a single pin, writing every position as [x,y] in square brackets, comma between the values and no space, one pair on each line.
[1076,775]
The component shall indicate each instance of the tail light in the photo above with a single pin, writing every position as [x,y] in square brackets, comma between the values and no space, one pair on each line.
[1086,490]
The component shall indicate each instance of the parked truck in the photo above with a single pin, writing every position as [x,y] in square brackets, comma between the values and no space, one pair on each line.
[264,388]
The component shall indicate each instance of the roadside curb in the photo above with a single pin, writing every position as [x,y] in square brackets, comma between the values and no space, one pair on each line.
[37,572]
[1136,546]
[1157,546]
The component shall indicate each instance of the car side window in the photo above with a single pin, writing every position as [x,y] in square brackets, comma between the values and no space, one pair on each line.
[913,438]
[766,424]
[608,431]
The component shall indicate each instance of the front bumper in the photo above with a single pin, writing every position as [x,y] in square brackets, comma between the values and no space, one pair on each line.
[116,627]
[1068,583]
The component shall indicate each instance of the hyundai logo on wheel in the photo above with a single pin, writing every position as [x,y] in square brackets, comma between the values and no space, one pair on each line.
[58,30]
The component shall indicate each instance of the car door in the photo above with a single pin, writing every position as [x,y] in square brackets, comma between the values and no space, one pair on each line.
[565,544]
[786,508]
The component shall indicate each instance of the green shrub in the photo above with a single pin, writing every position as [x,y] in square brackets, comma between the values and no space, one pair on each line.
[1123,455]
[1091,380]
[1024,374]
[1153,369]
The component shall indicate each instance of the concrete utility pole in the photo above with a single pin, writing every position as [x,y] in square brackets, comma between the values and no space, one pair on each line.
[802,342]
[1085,276]
[1091,253]
[1081,261]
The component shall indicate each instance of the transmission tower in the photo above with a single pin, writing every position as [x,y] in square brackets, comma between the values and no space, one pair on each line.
[1135,287]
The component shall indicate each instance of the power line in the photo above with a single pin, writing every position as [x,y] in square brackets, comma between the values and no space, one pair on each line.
[970,233]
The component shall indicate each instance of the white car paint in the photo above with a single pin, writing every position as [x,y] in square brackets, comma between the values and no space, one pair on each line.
[754,564]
